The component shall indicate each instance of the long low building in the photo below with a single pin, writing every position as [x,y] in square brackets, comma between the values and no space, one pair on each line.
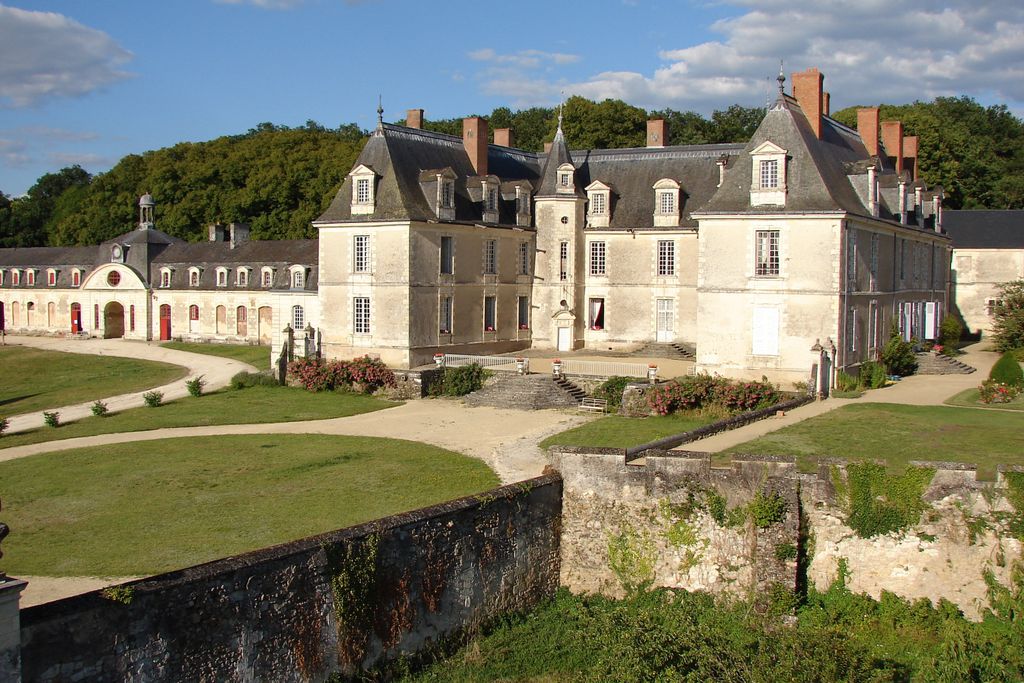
[785,256]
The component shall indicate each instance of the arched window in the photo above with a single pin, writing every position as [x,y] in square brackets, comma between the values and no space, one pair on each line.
[193,318]
[298,318]
[131,318]
[298,278]
[76,277]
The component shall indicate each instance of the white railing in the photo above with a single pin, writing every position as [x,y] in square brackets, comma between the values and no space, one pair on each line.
[598,368]
[507,363]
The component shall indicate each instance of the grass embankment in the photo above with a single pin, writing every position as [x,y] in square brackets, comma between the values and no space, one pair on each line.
[970,398]
[34,379]
[624,432]
[898,434]
[256,356]
[141,508]
[252,405]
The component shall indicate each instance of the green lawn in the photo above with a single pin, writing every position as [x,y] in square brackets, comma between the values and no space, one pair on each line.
[969,398]
[259,404]
[34,379]
[257,356]
[153,506]
[898,434]
[623,432]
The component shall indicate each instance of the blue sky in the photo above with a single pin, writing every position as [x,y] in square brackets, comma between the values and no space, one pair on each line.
[88,81]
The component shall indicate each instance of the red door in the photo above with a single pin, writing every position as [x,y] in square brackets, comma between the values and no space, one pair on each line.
[165,322]
[76,318]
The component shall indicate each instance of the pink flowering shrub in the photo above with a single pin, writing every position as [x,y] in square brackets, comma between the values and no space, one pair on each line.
[992,391]
[320,375]
[700,391]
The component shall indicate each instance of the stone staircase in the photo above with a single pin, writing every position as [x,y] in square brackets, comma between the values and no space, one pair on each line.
[929,363]
[570,388]
[523,392]
[673,350]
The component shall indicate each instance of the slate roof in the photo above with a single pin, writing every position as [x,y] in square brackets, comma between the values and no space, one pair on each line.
[63,259]
[557,156]
[985,229]
[278,254]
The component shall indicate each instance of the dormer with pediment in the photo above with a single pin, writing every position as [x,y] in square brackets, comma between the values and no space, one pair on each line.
[768,175]
[666,203]
[364,190]
[438,186]
[485,190]
[520,192]
[599,205]
[566,179]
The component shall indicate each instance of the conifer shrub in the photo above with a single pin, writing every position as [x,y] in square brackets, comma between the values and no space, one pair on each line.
[52,419]
[1007,371]
[898,355]
[153,399]
[949,335]
[195,386]
[872,375]
[99,409]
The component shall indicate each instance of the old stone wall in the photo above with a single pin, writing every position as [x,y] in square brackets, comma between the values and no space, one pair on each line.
[670,519]
[303,611]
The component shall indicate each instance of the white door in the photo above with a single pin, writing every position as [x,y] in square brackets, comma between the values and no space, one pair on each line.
[665,317]
[564,339]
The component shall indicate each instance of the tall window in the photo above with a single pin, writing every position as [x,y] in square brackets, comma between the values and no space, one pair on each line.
[766,257]
[873,284]
[362,190]
[444,322]
[524,313]
[361,317]
[524,258]
[165,278]
[563,261]
[96,315]
[490,257]
[598,204]
[492,199]
[769,174]
[131,318]
[298,278]
[361,253]
[851,329]
[903,259]
[490,313]
[193,312]
[851,260]
[666,257]
[595,314]
[447,255]
[597,258]
[447,193]
[873,325]
[298,317]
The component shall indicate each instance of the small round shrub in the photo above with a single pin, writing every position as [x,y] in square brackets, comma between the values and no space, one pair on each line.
[1007,371]
[99,409]
[153,399]
[4,424]
[52,419]
[898,356]
[244,379]
[195,386]
[950,332]
[463,380]
[611,391]
[872,375]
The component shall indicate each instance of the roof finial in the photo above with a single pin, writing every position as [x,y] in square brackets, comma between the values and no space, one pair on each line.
[561,103]
[781,79]
[380,111]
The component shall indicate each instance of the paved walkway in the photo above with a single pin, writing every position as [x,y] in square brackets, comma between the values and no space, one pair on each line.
[917,390]
[215,370]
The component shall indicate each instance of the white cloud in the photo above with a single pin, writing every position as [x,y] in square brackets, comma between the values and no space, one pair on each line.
[12,152]
[44,54]
[871,51]
[83,159]
[524,59]
[268,4]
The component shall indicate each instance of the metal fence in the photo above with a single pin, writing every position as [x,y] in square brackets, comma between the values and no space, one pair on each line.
[598,368]
[507,363]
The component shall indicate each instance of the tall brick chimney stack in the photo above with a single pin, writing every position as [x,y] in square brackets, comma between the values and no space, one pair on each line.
[503,137]
[826,103]
[892,140]
[867,128]
[414,118]
[474,139]
[657,133]
[910,154]
[807,91]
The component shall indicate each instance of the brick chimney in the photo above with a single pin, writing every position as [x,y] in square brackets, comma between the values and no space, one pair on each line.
[548,146]
[474,139]
[910,154]
[826,103]
[657,133]
[867,128]
[807,91]
[892,140]
[414,118]
[503,137]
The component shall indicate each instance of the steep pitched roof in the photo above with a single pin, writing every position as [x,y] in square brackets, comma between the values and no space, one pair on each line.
[984,229]
[48,257]
[556,157]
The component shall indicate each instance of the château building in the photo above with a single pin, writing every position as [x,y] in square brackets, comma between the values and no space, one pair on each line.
[811,235]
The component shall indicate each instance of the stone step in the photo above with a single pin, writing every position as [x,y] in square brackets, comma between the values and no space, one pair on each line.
[522,392]
[930,363]
[673,350]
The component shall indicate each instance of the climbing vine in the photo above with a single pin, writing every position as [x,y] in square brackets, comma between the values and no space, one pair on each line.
[631,556]
[879,502]
[353,571]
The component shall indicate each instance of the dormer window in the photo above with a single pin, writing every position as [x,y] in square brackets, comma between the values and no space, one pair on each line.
[117,253]
[15,277]
[598,204]
[363,195]
[193,276]
[768,175]
[242,277]
[51,277]
[489,197]
[666,202]
[165,278]
[298,277]
[222,277]
[447,194]
[267,277]
[565,178]
[439,189]
[76,277]
[30,278]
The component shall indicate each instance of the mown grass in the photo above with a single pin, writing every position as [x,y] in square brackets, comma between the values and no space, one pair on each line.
[252,405]
[141,508]
[34,379]
[898,434]
[623,432]
[257,356]
[971,398]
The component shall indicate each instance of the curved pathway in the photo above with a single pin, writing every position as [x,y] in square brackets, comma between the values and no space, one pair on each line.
[217,372]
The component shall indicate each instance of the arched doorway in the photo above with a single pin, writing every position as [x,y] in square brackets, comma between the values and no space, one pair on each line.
[266,324]
[51,314]
[241,324]
[30,308]
[222,320]
[76,318]
[165,322]
[113,321]
[14,314]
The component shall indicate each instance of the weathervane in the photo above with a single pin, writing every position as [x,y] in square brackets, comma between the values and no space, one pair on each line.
[380,111]
[781,79]
[561,103]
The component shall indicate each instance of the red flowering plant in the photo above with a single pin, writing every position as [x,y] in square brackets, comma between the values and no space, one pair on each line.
[692,393]
[992,391]
[319,375]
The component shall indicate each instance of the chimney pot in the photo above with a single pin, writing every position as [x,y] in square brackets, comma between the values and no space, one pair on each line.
[826,104]
[657,133]
[910,143]
[867,128]
[474,139]
[503,137]
[414,118]
[547,147]
[807,91]
[892,140]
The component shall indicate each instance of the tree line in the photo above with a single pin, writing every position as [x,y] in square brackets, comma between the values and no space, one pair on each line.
[279,178]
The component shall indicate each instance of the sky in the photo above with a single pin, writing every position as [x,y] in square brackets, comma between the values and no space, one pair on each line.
[89,81]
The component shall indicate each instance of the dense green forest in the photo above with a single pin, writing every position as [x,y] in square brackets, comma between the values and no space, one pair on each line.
[278,179]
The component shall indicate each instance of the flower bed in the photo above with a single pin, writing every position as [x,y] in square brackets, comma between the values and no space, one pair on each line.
[365,373]
[699,391]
